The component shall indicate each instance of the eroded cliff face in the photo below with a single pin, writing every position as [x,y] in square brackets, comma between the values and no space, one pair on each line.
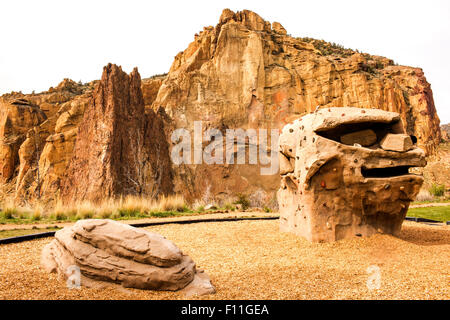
[243,73]
[248,73]
[39,133]
[44,127]
[115,145]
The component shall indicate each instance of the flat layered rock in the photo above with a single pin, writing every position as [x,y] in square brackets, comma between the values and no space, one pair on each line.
[109,252]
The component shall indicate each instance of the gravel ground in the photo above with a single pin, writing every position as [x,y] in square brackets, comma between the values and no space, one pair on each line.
[253,260]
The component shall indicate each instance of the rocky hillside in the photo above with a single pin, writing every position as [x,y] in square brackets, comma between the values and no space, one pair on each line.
[248,73]
[243,73]
[83,142]
[248,67]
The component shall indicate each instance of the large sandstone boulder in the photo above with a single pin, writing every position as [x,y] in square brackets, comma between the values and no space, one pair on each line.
[331,190]
[109,252]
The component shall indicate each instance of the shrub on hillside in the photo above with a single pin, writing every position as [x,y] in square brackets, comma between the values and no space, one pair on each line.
[437,190]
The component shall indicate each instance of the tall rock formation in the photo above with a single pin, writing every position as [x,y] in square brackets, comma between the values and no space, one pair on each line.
[108,157]
[243,73]
[248,73]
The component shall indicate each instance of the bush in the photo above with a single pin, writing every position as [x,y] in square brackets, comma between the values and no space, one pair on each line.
[243,201]
[103,213]
[24,215]
[60,215]
[185,208]
[229,206]
[9,213]
[437,190]
[128,212]
[36,216]
[84,214]
[200,209]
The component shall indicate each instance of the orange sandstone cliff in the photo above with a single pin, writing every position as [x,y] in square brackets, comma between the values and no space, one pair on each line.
[248,73]
[243,73]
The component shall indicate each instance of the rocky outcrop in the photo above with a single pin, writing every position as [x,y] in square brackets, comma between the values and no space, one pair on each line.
[114,141]
[44,154]
[333,189]
[247,73]
[17,117]
[156,173]
[243,73]
[150,88]
[40,131]
[108,252]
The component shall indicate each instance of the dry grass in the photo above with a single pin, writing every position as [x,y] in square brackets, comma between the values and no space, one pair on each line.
[253,260]
[129,206]
[424,195]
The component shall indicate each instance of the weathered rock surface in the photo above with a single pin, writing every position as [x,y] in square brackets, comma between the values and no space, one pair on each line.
[114,140]
[247,73]
[111,252]
[334,191]
[242,73]
[364,138]
[397,142]
[17,117]
[30,178]
[150,88]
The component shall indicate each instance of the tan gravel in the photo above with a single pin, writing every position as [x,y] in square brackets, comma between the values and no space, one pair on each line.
[253,260]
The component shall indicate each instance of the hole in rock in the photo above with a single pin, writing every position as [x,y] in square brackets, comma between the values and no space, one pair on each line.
[379,128]
[385,172]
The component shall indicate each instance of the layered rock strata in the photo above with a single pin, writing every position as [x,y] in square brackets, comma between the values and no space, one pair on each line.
[107,252]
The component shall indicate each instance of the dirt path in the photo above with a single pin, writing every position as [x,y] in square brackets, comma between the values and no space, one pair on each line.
[426,205]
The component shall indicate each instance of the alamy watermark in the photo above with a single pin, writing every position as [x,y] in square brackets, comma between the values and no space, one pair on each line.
[374,278]
[231,149]
[73,273]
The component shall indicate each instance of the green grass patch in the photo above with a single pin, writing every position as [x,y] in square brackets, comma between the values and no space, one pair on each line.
[165,214]
[441,213]
[22,232]
[8,214]
[438,200]
[129,212]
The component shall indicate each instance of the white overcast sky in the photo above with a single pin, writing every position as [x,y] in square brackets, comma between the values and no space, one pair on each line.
[44,41]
